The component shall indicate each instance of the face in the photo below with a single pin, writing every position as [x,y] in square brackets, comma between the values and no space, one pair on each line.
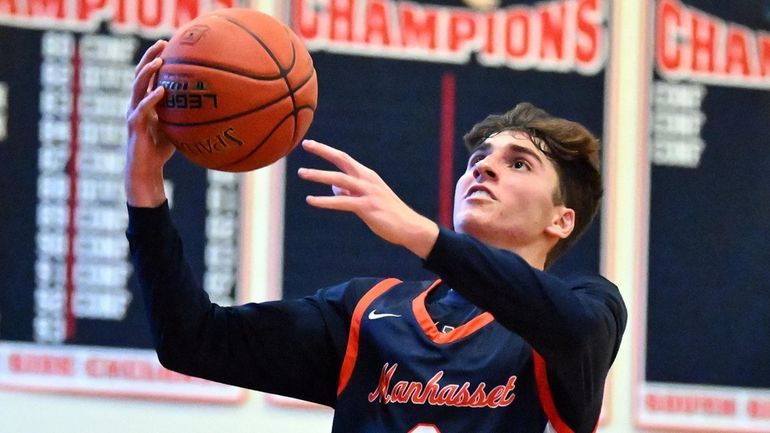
[506,195]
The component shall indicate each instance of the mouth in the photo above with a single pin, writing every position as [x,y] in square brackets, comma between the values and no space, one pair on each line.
[478,191]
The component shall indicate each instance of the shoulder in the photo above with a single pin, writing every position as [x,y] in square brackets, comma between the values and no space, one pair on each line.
[593,285]
[345,296]
[600,286]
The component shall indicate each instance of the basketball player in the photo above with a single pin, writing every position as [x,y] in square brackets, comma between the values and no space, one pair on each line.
[495,344]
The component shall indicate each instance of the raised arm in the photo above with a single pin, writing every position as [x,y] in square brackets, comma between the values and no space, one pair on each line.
[288,347]
[147,151]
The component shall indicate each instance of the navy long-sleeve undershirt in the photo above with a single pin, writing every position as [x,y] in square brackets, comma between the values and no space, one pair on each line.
[295,347]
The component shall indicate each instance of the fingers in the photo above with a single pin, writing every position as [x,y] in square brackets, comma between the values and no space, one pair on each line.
[340,159]
[150,101]
[145,70]
[335,179]
[150,54]
[343,203]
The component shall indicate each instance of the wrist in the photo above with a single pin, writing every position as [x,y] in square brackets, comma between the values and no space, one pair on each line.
[145,189]
[421,239]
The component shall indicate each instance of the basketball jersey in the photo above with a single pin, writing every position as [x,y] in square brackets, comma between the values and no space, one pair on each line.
[401,374]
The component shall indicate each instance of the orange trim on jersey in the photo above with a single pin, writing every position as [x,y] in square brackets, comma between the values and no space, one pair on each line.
[351,351]
[427,325]
[546,398]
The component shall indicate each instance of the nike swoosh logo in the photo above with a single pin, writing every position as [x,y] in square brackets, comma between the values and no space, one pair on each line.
[374,315]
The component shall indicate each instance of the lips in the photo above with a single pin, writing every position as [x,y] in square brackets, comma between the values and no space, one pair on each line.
[479,191]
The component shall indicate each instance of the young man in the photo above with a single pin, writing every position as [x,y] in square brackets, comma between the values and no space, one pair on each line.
[495,344]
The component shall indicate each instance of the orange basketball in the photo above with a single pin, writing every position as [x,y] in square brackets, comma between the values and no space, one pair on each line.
[241,90]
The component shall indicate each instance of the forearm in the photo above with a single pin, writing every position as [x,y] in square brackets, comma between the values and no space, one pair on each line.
[419,235]
[576,330]
[144,188]
[174,302]
[555,319]
[277,347]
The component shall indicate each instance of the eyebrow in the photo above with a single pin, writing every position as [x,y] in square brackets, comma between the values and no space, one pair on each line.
[513,147]
[516,148]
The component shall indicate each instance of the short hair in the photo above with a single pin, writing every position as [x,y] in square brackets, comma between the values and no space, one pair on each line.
[572,148]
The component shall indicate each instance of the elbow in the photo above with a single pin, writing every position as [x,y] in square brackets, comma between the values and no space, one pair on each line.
[593,340]
[172,358]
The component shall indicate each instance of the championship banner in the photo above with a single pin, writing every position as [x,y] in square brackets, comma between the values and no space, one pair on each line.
[400,82]
[71,316]
[707,361]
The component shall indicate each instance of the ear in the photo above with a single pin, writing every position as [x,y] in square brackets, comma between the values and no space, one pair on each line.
[563,222]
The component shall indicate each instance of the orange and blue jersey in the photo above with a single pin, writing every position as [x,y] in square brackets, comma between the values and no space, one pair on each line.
[493,345]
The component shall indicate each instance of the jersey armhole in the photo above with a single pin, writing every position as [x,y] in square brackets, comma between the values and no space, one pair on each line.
[546,398]
[351,350]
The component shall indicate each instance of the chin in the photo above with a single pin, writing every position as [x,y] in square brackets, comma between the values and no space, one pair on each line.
[470,226]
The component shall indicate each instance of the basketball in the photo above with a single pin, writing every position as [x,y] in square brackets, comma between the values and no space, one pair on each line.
[240,88]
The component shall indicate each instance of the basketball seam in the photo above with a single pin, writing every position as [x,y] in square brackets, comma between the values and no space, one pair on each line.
[220,67]
[284,72]
[262,143]
[265,46]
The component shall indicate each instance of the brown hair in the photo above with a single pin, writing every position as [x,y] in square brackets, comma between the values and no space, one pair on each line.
[572,148]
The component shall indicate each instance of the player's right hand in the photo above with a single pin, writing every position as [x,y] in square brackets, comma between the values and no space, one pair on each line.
[147,149]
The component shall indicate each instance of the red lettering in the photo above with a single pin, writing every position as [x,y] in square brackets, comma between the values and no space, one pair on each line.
[185,11]
[418,26]
[490,40]
[508,395]
[668,49]
[414,389]
[737,59]
[703,40]
[759,408]
[341,20]
[494,396]
[377,25]
[764,54]
[478,396]
[8,7]
[589,32]
[431,389]
[462,30]
[446,394]
[120,19]
[690,404]
[304,19]
[150,13]
[46,8]
[434,394]
[86,8]
[398,393]
[41,364]
[382,388]
[517,31]
[552,19]
[133,369]
[462,397]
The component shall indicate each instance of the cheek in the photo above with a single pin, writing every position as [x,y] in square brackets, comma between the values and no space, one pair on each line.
[460,187]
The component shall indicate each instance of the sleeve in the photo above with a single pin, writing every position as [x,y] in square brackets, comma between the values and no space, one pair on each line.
[292,348]
[576,326]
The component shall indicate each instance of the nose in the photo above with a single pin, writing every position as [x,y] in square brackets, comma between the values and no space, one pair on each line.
[482,170]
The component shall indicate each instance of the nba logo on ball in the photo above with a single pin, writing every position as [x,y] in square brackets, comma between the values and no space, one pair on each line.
[241,90]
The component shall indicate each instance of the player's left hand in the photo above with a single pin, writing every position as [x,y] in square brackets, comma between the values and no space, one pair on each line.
[361,190]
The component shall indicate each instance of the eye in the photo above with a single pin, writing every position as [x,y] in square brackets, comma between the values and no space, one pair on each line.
[520,164]
[475,158]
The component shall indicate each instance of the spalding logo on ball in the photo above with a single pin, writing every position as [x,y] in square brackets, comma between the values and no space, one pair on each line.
[241,90]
